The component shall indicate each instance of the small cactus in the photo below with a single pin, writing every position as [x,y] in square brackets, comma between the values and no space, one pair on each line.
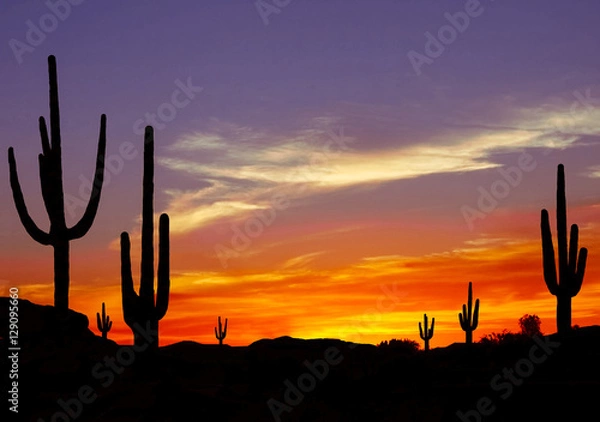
[427,333]
[469,318]
[222,333]
[104,323]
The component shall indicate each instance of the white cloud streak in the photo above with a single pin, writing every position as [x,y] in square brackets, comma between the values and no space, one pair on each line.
[243,167]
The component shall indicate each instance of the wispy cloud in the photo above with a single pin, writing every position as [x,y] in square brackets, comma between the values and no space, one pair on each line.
[242,174]
[593,171]
[301,261]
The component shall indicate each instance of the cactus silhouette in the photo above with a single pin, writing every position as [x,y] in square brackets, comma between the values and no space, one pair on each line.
[143,311]
[50,164]
[222,333]
[469,318]
[104,323]
[570,268]
[427,333]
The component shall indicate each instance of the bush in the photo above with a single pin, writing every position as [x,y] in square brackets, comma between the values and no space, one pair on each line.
[502,338]
[530,325]
[404,345]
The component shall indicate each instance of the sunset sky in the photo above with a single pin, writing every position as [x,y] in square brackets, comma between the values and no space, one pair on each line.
[331,169]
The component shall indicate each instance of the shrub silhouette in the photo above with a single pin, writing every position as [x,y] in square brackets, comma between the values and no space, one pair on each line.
[426,333]
[530,325]
[104,323]
[570,268]
[469,318]
[51,181]
[404,345]
[222,333]
[502,338]
[144,310]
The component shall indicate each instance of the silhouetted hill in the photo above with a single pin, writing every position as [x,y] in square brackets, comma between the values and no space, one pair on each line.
[547,378]
[287,342]
[39,322]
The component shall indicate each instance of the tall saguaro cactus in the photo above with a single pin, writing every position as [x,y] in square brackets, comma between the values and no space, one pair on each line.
[426,333]
[50,163]
[104,323]
[570,268]
[143,311]
[469,318]
[222,333]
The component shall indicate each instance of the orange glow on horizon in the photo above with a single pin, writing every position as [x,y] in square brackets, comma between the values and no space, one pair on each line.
[374,299]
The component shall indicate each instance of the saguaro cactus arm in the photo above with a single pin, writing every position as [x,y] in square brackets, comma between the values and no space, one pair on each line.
[129,297]
[549,264]
[85,223]
[164,282]
[576,266]
[32,229]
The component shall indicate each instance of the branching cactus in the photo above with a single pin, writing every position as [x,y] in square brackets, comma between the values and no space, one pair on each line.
[222,333]
[143,311]
[50,163]
[571,268]
[426,333]
[104,323]
[469,318]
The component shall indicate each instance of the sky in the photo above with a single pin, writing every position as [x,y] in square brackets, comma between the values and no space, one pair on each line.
[332,169]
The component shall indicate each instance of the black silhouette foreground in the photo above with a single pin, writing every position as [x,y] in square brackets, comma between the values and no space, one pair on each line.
[287,379]
[50,163]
